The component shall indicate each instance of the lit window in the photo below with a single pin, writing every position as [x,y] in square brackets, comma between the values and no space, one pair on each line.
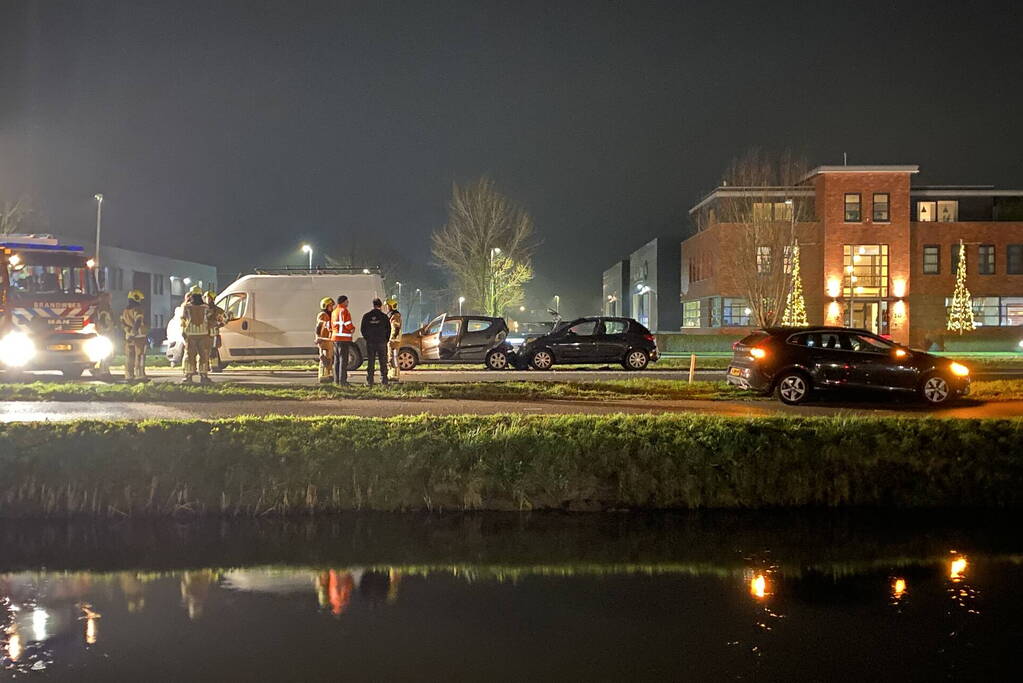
[986,310]
[763,259]
[1012,310]
[925,211]
[932,259]
[736,313]
[881,213]
[852,207]
[865,270]
[691,314]
[948,211]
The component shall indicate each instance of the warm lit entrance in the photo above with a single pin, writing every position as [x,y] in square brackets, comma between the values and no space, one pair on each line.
[868,315]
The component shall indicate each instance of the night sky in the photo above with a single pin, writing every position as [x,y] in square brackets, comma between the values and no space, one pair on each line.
[229,132]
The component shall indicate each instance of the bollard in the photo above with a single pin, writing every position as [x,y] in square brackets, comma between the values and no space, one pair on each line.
[692,367]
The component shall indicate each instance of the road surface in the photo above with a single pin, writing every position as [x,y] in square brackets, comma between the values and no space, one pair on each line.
[38,411]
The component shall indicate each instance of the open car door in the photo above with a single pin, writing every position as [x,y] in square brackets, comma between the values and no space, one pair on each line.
[430,343]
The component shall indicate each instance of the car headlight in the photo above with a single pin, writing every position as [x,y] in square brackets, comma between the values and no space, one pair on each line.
[16,349]
[959,369]
[516,341]
[97,348]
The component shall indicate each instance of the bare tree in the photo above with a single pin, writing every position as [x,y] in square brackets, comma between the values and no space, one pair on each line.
[760,210]
[13,215]
[487,246]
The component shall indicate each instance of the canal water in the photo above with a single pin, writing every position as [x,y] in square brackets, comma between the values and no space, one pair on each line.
[711,596]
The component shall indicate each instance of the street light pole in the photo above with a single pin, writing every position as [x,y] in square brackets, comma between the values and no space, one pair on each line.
[99,224]
[399,293]
[309,250]
[557,304]
[461,300]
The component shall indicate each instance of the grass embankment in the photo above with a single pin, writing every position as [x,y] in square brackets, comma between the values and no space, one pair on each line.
[248,466]
[602,390]
[650,389]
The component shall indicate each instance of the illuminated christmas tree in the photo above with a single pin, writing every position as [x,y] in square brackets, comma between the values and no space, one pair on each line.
[795,305]
[960,313]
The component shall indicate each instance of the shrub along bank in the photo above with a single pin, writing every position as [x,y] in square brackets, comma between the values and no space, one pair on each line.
[250,466]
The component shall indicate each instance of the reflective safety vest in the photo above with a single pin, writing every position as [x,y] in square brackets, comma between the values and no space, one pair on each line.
[323,326]
[195,319]
[133,323]
[341,322]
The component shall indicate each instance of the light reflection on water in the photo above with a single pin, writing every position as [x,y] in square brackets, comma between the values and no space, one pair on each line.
[53,620]
[716,597]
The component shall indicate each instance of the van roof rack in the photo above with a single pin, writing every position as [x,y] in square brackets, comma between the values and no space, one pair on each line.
[319,270]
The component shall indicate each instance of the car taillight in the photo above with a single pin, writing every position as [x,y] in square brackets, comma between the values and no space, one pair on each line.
[735,345]
[648,337]
[757,352]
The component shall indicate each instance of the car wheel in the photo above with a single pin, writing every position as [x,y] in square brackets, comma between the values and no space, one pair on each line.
[636,359]
[407,359]
[542,360]
[935,390]
[793,388]
[497,360]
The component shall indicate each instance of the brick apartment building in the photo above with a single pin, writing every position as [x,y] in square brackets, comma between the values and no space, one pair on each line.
[876,252]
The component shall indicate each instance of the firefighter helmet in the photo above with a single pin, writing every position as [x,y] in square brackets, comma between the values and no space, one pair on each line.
[196,290]
[326,301]
[136,295]
[211,294]
[391,302]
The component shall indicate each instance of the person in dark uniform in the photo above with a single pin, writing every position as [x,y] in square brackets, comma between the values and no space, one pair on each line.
[376,330]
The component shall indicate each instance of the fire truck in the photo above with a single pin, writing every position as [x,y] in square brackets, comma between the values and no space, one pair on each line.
[48,302]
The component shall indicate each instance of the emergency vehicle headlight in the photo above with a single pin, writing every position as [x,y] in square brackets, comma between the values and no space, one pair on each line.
[98,348]
[16,349]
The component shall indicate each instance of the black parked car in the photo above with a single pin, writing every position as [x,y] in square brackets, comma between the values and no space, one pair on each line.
[795,362]
[585,340]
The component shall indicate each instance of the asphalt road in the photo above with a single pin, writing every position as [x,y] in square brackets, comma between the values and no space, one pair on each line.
[11,411]
[39,411]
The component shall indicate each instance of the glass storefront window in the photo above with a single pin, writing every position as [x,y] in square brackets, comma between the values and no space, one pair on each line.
[736,313]
[691,313]
[1012,310]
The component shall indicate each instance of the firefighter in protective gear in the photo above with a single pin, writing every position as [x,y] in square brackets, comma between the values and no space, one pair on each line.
[394,343]
[342,334]
[104,327]
[195,328]
[218,317]
[133,323]
[323,340]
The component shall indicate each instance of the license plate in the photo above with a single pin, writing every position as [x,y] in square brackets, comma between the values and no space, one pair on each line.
[734,372]
[59,347]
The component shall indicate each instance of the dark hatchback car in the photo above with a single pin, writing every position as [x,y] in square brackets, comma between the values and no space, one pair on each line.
[585,340]
[795,362]
[451,339]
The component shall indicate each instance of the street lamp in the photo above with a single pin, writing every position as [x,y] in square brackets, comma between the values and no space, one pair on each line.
[99,221]
[461,300]
[309,250]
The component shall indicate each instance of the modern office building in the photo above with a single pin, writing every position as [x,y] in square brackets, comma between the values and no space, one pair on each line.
[615,297]
[645,286]
[876,252]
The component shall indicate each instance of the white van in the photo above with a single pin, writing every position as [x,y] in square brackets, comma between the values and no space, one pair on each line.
[272,315]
